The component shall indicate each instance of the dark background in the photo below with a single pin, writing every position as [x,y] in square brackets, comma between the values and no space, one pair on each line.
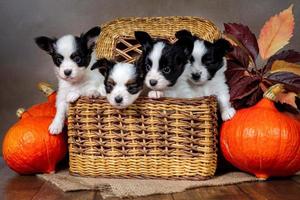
[23,65]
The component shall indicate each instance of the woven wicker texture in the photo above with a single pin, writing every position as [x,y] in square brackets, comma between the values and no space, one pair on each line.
[116,40]
[166,138]
[169,138]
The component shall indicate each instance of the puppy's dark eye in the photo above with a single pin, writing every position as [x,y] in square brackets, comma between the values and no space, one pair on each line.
[77,59]
[166,70]
[208,60]
[133,88]
[109,88]
[59,60]
[148,67]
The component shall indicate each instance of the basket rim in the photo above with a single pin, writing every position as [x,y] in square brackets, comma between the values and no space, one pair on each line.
[132,18]
[160,100]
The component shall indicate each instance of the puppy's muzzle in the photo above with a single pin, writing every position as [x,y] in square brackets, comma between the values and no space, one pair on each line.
[118,99]
[153,82]
[67,72]
[196,76]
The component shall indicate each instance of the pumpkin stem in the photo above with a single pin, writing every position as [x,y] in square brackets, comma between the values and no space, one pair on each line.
[46,88]
[20,112]
[273,91]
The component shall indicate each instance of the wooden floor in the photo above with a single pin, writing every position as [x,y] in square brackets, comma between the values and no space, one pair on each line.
[15,187]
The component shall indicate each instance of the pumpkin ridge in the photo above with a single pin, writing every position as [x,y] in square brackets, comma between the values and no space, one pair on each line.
[298,150]
[262,141]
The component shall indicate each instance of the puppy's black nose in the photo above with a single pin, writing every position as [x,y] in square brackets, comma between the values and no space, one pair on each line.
[153,82]
[67,72]
[196,76]
[118,99]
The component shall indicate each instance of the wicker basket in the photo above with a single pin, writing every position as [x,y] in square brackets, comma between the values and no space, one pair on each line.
[166,138]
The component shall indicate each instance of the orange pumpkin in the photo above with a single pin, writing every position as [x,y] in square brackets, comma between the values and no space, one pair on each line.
[262,141]
[29,148]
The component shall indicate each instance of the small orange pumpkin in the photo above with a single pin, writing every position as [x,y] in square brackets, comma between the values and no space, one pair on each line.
[262,141]
[29,148]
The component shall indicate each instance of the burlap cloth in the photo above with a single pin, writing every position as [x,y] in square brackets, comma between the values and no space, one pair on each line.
[136,187]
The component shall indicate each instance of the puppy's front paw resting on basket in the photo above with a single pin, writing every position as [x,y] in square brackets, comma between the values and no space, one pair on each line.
[72,97]
[155,94]
[93,93]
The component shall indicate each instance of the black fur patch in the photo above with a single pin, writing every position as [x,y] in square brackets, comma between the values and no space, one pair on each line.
[82,54]
[173,58]
[106,66]
[213,59]
[139,78]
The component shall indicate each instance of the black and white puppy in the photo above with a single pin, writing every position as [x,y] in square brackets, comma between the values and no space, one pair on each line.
[205,71]
[164,63]
[123,81]
[72,57]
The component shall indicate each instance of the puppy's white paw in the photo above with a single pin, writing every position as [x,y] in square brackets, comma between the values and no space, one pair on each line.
[93,93]
[72,96]
[56,127]
[155,94]
[228,114]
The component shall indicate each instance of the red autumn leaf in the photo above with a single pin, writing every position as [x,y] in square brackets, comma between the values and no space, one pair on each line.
[244,36]
[288,56]
[255,96]
[287,98]
[240,55]
[291,81]
[234,73]
[245,87]
[287,102]
[246,81]
[276,33]
[249,100]
[283,66]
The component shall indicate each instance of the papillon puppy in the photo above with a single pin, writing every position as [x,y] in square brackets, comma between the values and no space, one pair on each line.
[72,57]
[123,81]
[164,63]
[205,71]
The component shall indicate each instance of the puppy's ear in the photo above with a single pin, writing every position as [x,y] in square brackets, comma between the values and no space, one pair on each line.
[140,69]
[222,46]
[103,65]
[90,37]
[46,44]
[183,34]
[186,44]
[144,39]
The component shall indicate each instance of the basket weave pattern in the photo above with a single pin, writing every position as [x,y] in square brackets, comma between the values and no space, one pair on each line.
[166,138]
[117,41]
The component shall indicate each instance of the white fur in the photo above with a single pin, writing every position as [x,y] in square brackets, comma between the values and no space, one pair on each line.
[82,82]
[162,89]
[186,87]
[216,86]
[198,51]
[121,73]
[154,73]
[181,89]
